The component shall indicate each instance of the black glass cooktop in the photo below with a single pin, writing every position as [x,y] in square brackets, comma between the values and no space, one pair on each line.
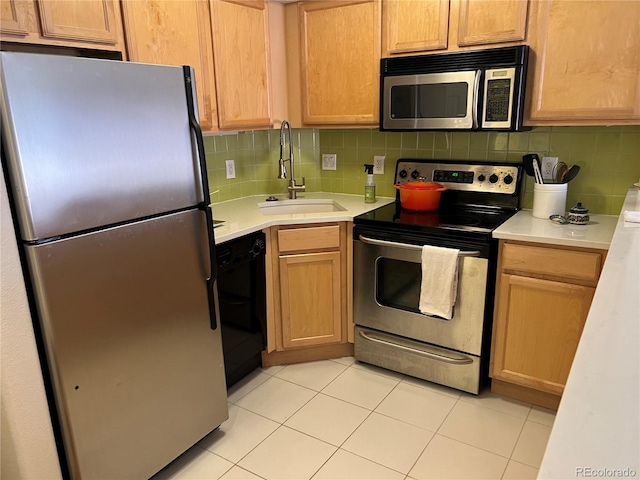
[462,219]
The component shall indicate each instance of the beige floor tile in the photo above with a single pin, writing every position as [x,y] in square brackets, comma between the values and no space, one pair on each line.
[344,465]
[344,360]
[195,463]
[434,387]
[239,435]
[445,458]
[276,399]
[519,471]
[328,419]
[542,415]
[313,375]
[360,387]
[272,370]
[237,473]
[417,406]
[532,444]
[389,442]
[483,427]
[244,386]
[287,454]
[496,402]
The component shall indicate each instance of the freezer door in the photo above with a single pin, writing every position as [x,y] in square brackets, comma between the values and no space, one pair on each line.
[137,370]
[94,142]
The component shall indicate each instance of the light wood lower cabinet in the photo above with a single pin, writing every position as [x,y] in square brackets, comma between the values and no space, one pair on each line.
[307,300]
[543,297]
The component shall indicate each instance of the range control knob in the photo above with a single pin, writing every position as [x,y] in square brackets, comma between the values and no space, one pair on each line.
[403,173]
[493,178]
[481,178]
[415,174]
[508,179]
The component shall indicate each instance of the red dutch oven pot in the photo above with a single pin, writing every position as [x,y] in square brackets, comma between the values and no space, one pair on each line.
[420,196]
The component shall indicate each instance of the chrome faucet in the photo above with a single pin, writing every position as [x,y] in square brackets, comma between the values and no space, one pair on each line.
[293,188]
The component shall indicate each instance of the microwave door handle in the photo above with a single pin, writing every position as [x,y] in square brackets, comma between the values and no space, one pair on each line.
[476,98]
[385,243]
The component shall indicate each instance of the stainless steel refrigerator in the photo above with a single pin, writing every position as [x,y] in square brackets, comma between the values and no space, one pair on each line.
[106,167]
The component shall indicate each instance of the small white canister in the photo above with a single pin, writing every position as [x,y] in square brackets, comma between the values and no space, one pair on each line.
[549,199]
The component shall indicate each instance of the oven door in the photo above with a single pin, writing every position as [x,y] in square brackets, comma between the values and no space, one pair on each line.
[431,101]
[387,277]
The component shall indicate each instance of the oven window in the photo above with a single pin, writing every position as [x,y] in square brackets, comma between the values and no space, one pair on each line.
[398,284]
[429,100]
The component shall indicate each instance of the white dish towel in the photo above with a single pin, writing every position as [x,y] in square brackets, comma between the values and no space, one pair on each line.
[439,286]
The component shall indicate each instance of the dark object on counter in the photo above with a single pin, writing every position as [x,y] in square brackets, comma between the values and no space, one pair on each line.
[242,298]
[578,215]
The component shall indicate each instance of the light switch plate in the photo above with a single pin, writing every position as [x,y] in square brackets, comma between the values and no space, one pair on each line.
[231,168]
[329,161]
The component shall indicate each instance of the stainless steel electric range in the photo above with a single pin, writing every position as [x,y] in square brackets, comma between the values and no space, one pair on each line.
[390,330]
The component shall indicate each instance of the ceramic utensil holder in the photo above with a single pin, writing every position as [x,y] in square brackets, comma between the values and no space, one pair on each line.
[549,199]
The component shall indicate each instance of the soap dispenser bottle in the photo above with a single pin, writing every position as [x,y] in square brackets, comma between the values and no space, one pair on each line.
[370,186]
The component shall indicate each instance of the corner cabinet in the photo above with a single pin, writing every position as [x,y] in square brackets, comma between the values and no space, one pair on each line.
[413,26]
[94,24]
[338,55]
[543,296]
[587,66]
[307,284]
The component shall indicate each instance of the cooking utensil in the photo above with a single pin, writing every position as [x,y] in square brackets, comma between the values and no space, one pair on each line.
[571,174]
[531,163]
[420,196]
[558,171]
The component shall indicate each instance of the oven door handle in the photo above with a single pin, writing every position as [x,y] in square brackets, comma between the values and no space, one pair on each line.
[459,360]
[385,243]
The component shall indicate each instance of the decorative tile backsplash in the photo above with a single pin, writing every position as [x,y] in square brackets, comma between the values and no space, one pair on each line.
[609,158]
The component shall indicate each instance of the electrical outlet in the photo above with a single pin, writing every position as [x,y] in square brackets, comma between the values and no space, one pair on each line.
[329,161]
[231,168]
[548,165]
[378,164]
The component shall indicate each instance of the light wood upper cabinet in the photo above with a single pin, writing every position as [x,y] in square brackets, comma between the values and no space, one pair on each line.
[484,22]
[175,33]
[94,24]
[587,63]
[413,26]
[79,20]
[339,61]
[241,55]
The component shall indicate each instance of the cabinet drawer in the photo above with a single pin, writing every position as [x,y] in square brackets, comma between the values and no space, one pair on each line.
[309,238]
[582,265]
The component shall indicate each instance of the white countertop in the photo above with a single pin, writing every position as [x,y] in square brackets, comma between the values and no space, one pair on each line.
[598,422]
[525,227]
[242,216]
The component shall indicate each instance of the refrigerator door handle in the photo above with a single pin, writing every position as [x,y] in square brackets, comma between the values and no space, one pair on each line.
[204,205]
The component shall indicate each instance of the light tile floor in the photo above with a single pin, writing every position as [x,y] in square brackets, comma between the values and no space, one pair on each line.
[341,419]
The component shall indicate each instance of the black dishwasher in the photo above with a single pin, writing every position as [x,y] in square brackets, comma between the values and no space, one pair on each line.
[242,300]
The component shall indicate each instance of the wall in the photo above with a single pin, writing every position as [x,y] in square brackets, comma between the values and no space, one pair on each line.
[609,158]
[28,447]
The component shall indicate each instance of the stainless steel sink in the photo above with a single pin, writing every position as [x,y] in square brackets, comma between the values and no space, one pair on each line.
[288,207]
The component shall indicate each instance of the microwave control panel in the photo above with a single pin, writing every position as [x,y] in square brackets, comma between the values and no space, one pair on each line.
[498,97]
[469,177]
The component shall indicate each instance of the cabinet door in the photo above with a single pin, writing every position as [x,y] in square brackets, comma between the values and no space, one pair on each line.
[311,301]
[483,22]
[79,20]
[414,26]
[538,326]
[340,51]
[14,17]
[587,63]
[241,53]
[175,33]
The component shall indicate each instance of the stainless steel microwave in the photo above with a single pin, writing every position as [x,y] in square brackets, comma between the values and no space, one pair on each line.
[470,90]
